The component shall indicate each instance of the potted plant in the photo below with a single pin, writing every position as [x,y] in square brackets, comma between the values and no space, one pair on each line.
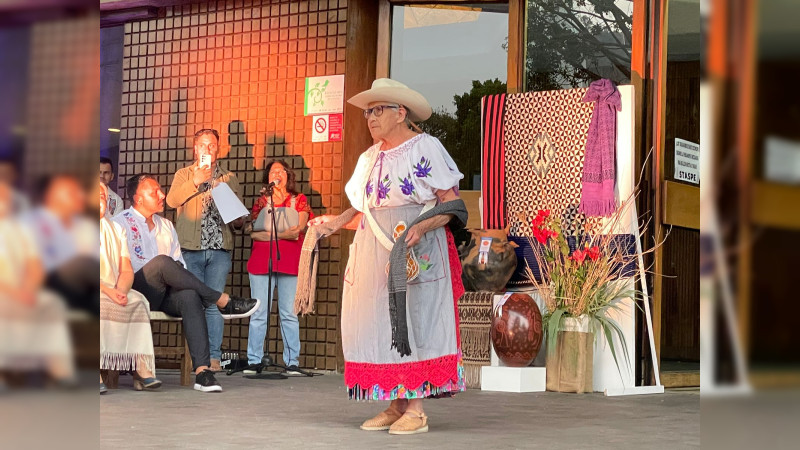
[581,279]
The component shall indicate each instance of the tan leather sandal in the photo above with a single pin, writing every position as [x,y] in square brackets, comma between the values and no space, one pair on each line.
[411,423]
[382,421]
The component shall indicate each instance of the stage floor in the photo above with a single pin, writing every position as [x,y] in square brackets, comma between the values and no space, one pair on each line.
[315,413]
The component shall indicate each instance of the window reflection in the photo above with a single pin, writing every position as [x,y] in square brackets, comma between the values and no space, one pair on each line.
[453,55]
[570,43]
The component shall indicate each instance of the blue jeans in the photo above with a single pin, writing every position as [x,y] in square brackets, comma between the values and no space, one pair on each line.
[211,267]
[259,321]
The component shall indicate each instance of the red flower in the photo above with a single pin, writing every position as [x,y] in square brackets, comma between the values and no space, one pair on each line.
[540,235]
[578,256]
[593,253]
[544,213]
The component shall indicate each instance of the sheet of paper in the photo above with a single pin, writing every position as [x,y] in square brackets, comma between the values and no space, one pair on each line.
[228,204]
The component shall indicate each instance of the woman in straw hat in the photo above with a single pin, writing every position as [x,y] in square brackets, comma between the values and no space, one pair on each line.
[400,333]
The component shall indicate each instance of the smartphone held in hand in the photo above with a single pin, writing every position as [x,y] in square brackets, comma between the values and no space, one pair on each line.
[205,161]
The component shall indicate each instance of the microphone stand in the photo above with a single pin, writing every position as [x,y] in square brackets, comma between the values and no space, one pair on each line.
[266,361]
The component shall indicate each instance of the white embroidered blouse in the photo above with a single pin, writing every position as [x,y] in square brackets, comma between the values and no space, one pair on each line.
[410,173]
[144,244]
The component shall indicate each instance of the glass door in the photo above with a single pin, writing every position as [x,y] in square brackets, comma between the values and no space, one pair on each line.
[453,55]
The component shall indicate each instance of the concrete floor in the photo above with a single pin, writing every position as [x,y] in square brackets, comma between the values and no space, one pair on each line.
[315,413]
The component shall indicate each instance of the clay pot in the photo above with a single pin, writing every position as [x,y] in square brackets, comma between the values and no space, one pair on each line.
[517,330]
[500,264]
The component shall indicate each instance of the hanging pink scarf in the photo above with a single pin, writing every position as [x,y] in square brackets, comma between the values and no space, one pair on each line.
[599,168]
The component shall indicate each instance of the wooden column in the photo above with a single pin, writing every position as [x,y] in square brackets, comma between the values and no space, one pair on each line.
[747,20]
[361,55]
[660,16]
[384,43]
[516,46]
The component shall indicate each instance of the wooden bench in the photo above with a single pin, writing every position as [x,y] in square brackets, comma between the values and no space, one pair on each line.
[111,377]
[182,350]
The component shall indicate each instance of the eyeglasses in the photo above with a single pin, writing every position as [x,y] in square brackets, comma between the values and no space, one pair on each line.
[378,110]
[276,172]
[205,131]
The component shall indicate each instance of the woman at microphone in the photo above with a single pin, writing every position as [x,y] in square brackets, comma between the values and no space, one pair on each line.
[292,213]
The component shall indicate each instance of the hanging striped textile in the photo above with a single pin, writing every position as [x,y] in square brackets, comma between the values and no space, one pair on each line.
[493,161]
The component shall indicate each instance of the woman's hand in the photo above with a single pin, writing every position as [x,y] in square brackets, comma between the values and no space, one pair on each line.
[291,234]
[414,234]
[262,236]
[116,295]
[319,220]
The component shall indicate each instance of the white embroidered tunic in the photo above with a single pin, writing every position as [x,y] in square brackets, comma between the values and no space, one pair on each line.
[410,173]
[144,244]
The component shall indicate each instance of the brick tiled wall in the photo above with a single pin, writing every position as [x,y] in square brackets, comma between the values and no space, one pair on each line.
[240,67]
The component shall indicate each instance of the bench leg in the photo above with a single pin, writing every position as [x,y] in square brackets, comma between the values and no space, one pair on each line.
[110,378]
[186,363]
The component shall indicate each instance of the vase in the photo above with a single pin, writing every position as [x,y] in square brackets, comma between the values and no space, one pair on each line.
[516,330]
[493,273]
[569,368]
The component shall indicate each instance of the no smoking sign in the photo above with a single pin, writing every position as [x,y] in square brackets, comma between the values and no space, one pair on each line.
[326,128]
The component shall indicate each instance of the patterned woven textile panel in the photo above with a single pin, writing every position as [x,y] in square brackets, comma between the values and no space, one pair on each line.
[494,166]
[545,140]
[475,317]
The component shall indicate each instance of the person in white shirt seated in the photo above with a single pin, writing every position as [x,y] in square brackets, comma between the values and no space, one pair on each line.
[161,275]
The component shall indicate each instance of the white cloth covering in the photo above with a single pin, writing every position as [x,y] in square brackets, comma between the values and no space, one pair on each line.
[126,341]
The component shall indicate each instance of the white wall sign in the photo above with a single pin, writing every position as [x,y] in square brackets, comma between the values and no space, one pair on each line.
[324,95]
[687,161]
[326,128]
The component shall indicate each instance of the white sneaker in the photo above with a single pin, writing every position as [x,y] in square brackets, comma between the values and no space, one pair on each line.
[291,371]
[206,382]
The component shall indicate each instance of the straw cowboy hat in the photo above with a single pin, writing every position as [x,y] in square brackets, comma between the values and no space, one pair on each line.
[388,90]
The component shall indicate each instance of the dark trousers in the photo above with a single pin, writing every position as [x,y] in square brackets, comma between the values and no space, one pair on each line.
[77,283]
[172,289]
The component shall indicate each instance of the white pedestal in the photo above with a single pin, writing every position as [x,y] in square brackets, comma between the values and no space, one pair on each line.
[513,379]
[605,373]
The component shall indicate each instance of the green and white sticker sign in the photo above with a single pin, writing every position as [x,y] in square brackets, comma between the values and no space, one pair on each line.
[324,95]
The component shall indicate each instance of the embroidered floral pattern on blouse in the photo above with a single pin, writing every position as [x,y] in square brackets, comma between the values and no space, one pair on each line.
[423,168]
[406,185]
[369,188]
[136,236]
[383,188]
